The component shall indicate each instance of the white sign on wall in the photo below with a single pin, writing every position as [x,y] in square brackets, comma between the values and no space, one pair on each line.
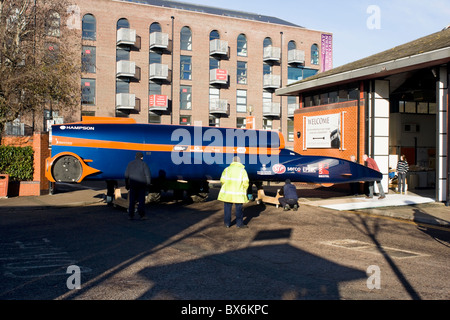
[323,132]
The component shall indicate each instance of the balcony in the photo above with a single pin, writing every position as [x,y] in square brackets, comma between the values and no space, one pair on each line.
[126,36]
[218,76]
[158,102]
[127,101]
[158,71]
[296,56]
[271,81]
[218,106]
[159,40]
[128,69]
[291,109]
[271,109]
[218,47]
[272,54]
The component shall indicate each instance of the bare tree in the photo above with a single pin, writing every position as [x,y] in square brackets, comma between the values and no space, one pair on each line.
[39,59]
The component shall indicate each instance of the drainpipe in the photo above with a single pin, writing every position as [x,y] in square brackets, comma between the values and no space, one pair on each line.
[173,49]
[281,81]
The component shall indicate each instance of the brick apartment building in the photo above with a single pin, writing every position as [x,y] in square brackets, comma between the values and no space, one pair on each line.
[175,63]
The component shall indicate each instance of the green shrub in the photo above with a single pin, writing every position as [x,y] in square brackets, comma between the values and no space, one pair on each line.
[17,162]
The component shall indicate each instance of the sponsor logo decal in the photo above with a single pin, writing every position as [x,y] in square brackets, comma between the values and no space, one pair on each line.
[278,168]
[85,128]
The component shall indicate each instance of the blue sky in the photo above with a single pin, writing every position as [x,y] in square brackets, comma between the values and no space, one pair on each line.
[360,27]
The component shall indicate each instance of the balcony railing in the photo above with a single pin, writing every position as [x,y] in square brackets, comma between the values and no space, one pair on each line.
[272,54]
[296,56]
[158,71]
[159,40]
[158,102]
[271,109]
[271,81]
[218,106]
[219,47]
[125,68]
[126,36]
[218,76]
[127,101]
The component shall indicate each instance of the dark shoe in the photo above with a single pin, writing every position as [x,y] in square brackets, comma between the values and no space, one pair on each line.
[369,197]
[295,207]
[287,208]
[227,226]
[244,226]
[381,197]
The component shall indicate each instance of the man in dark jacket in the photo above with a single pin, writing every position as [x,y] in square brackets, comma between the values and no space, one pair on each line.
[290,197]
[137,179]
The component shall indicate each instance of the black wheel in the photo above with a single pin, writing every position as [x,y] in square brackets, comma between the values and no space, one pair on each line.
[67,169]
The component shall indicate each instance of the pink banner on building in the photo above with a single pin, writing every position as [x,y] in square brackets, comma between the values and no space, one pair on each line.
[327,52]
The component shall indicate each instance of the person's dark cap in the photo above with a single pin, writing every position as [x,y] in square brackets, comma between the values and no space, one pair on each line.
[139,155]
[288,181]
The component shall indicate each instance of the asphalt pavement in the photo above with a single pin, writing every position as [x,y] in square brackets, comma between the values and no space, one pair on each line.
[414,207]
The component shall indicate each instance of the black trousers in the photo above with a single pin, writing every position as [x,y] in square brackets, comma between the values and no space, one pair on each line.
[284,201]
[136,194]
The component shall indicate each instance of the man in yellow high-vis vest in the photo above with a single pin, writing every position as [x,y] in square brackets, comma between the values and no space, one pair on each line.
[235,183]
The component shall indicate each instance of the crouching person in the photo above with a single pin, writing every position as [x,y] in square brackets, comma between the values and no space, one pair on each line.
[289,197]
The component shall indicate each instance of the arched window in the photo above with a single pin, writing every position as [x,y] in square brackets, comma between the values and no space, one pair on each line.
[186,39]
[89,26]
[155,27]
[122,23]
[292,45]
[242,45]
[267,42]
[213,35]
[52,24]
[314,54]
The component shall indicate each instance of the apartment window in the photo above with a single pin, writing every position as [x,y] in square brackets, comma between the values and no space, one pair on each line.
[214,121]
[267,42]
[242,72]
[155,57]
[314,54]
[292,45]
[267,124]
[155,27]
[185,97]
[186,67]
[88,59]
[154,88]
[89,27]
[242,45]
[267,97]
[154,118]
[122,86]
[88,91]
[294,74]
[214,63]
[290,130]
[214,94]
[185,120]
[241,123]
[214,35]
[52,24]
[267,69]
[241,101]
[122,53]
[186,39]
[122,23]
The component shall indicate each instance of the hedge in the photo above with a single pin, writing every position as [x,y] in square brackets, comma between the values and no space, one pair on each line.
[17,162]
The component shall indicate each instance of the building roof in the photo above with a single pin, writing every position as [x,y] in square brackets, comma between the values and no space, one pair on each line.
[430,50]
[215,11]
